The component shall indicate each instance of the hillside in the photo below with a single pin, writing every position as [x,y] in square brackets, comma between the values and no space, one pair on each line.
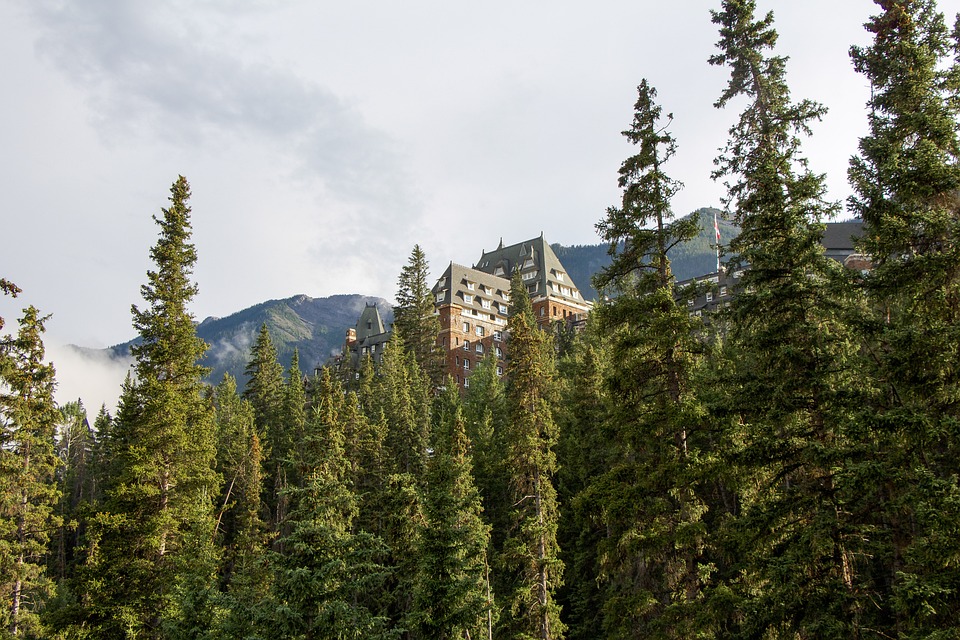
[314,326]
[689,260]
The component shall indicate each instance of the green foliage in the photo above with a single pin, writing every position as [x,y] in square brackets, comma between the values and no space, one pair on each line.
[906,180]
[453,596]
[531,553]
[793,384]
[152,564]
[241,533]
[329,570]
[28,462]
[414,319]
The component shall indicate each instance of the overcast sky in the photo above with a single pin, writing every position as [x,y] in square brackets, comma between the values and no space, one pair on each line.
[322,140]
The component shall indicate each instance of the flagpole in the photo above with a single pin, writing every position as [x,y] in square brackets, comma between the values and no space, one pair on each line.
[716,230]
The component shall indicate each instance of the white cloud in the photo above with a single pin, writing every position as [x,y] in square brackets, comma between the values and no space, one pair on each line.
[92,376]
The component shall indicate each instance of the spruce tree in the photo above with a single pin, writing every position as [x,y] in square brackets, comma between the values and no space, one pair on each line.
[585,450]
[414,318]
[75,446]
[28,462]
[453,596]
[152,574]
[791,396]
[648,493]
[328,572]
[265,390]
[531,553]
[241,531]
[906,179]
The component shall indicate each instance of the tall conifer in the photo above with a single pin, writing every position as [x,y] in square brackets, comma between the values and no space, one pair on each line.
[792,392]
[531,553]
[650,559]
[907,182]
[414,319]
[153,570]
[28,488]
[453,596]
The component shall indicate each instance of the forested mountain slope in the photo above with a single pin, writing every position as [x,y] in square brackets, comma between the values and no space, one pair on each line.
[688,260]
[314,326]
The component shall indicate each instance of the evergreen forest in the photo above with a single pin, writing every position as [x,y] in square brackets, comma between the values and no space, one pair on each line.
[786,467]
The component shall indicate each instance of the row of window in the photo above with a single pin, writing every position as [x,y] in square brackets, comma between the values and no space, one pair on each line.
[709,296]
[478,347]
[480,331]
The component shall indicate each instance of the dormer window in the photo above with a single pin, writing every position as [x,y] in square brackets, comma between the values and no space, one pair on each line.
[470,286]
[467,298]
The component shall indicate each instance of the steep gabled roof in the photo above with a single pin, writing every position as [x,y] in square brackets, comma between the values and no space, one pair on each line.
[370,323]
[543,272]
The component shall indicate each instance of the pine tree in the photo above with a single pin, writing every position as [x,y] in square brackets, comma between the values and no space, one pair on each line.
[325,577]
[906,180]
[791,398]
[485,412]
[531,553]
[28,488]
[244,573]
[153,569]
[265,391]
[75,445]
[453,597]
[652,514]
[401,404]
[585,450]
[414,319]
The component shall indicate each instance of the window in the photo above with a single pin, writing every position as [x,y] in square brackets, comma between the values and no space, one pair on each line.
[503,309]
[466,327]
[500,353]
[498,271]
[560,276]
[479,348]
[543,311]
[690,302]
[499,371]
[440,297]
[466,345]
[467,298]
[466,383]
[458,361]
[466,363]
[530,275]
[479,331]
[498,335]
[469,286]
[444,342]
[485,303]
[709,296]
[723,291]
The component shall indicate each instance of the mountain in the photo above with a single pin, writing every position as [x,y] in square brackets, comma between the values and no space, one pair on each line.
[314,326]
[691,259]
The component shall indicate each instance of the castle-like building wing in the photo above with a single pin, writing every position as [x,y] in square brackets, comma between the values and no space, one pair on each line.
[473,302]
